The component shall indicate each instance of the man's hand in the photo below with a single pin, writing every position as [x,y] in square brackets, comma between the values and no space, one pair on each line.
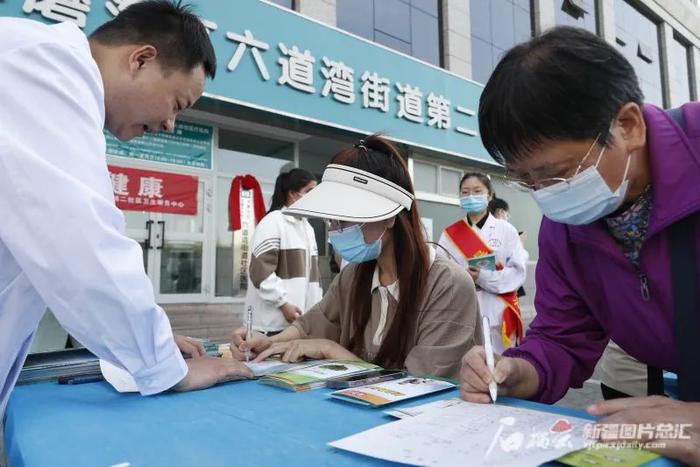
[681,417]
[207,371]
[291,312]
[190,346]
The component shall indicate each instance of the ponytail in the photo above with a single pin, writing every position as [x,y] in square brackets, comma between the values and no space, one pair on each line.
[289,182]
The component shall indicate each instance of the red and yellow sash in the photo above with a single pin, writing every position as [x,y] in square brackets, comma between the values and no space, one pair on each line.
[471,245]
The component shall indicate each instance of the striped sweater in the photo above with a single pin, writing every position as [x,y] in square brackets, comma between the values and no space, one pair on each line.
[283,269]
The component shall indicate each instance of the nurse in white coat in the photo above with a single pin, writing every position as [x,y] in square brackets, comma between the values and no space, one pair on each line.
[480,235]
[62,241]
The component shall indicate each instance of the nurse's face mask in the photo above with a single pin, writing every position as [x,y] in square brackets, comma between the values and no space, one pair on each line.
[581,198]
[348,240]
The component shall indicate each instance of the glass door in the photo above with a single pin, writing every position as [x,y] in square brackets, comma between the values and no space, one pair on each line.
[174,249]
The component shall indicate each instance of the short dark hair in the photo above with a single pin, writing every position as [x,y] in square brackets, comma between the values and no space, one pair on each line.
[178,34]
[498,203]
[483,178]
[567,84]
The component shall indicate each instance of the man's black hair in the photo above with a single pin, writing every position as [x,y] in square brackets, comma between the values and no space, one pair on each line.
[179,36]
[567,84]
[498,203]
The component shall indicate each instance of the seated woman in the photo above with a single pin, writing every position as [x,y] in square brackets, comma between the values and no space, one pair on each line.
[396,304]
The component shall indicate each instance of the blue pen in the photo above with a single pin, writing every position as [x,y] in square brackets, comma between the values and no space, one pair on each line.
[80,379]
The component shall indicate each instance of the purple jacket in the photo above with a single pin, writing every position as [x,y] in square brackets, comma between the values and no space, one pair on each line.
[588,291]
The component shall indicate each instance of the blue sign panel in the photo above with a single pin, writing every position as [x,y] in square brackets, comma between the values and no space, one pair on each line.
[275,60]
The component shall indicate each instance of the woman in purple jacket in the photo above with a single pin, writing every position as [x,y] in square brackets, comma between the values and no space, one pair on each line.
[564,114]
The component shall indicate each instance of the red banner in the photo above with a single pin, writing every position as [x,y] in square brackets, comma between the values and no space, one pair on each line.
[148,190]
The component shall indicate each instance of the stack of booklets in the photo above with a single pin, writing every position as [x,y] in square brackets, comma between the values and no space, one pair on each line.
[314,375]
[389,392]
[48,366]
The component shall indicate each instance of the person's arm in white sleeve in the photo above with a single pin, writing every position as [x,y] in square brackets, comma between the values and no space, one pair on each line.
[59,220]
[512,276]
[264,260]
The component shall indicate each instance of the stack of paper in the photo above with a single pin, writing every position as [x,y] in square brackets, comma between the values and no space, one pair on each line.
[52,365]
[315,375]
[472,434]
[389,392]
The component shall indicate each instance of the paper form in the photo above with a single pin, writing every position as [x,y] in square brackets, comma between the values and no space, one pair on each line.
[472,434]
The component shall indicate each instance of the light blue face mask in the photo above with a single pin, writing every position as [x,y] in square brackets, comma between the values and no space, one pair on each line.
[474,204]
[350,245]
[584,198]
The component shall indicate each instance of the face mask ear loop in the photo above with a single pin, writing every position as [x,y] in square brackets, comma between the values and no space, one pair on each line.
[627,167]
[600,156]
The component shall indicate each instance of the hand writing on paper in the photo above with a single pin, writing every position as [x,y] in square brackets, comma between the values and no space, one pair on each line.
[658,419]
[258,342]
[298,349]
[515,377]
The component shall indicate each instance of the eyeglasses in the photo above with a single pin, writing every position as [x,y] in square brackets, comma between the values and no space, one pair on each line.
[339,226]
[520,185]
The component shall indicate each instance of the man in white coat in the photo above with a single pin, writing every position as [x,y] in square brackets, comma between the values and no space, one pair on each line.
[62,241]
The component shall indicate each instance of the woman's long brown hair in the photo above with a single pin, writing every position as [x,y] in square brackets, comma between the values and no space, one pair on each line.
[381,158]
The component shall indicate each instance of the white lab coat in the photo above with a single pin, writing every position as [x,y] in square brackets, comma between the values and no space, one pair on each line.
[62,241]
[503,239]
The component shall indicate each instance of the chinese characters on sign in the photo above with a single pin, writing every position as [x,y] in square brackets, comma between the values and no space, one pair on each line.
[297,72]
[189,145]
[147,190]
[280,62]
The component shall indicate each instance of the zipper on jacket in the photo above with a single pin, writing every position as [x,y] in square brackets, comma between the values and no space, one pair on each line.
[644,286]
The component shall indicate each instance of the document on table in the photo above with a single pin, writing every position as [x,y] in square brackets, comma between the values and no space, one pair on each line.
[423,408]
[472,434]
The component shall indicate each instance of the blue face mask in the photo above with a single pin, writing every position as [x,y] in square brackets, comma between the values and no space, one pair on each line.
[474,204]
[350,244]
[582,199]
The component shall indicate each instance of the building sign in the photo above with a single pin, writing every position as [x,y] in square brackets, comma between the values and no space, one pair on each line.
[274,60]
[189,145]
[147,190]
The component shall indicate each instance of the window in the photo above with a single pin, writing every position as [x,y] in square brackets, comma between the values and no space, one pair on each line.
[680,72]
[496,26]
[637,37]
[409,26]
[449,181]
[425,177]
[579,13]
[437,180]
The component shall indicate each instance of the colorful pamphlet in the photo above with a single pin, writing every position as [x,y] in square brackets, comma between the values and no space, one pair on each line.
[487,262]
[315,375]
[608,457]
[389,392]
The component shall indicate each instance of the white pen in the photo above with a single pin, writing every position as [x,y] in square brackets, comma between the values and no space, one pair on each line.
[249,331]
[488,347]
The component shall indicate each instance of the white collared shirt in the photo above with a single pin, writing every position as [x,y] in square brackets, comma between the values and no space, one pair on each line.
[62,241]
[384,292]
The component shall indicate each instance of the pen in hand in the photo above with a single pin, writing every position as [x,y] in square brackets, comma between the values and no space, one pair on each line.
[488,348]
[249,331]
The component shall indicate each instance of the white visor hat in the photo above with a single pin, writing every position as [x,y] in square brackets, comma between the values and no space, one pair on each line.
[349,194]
